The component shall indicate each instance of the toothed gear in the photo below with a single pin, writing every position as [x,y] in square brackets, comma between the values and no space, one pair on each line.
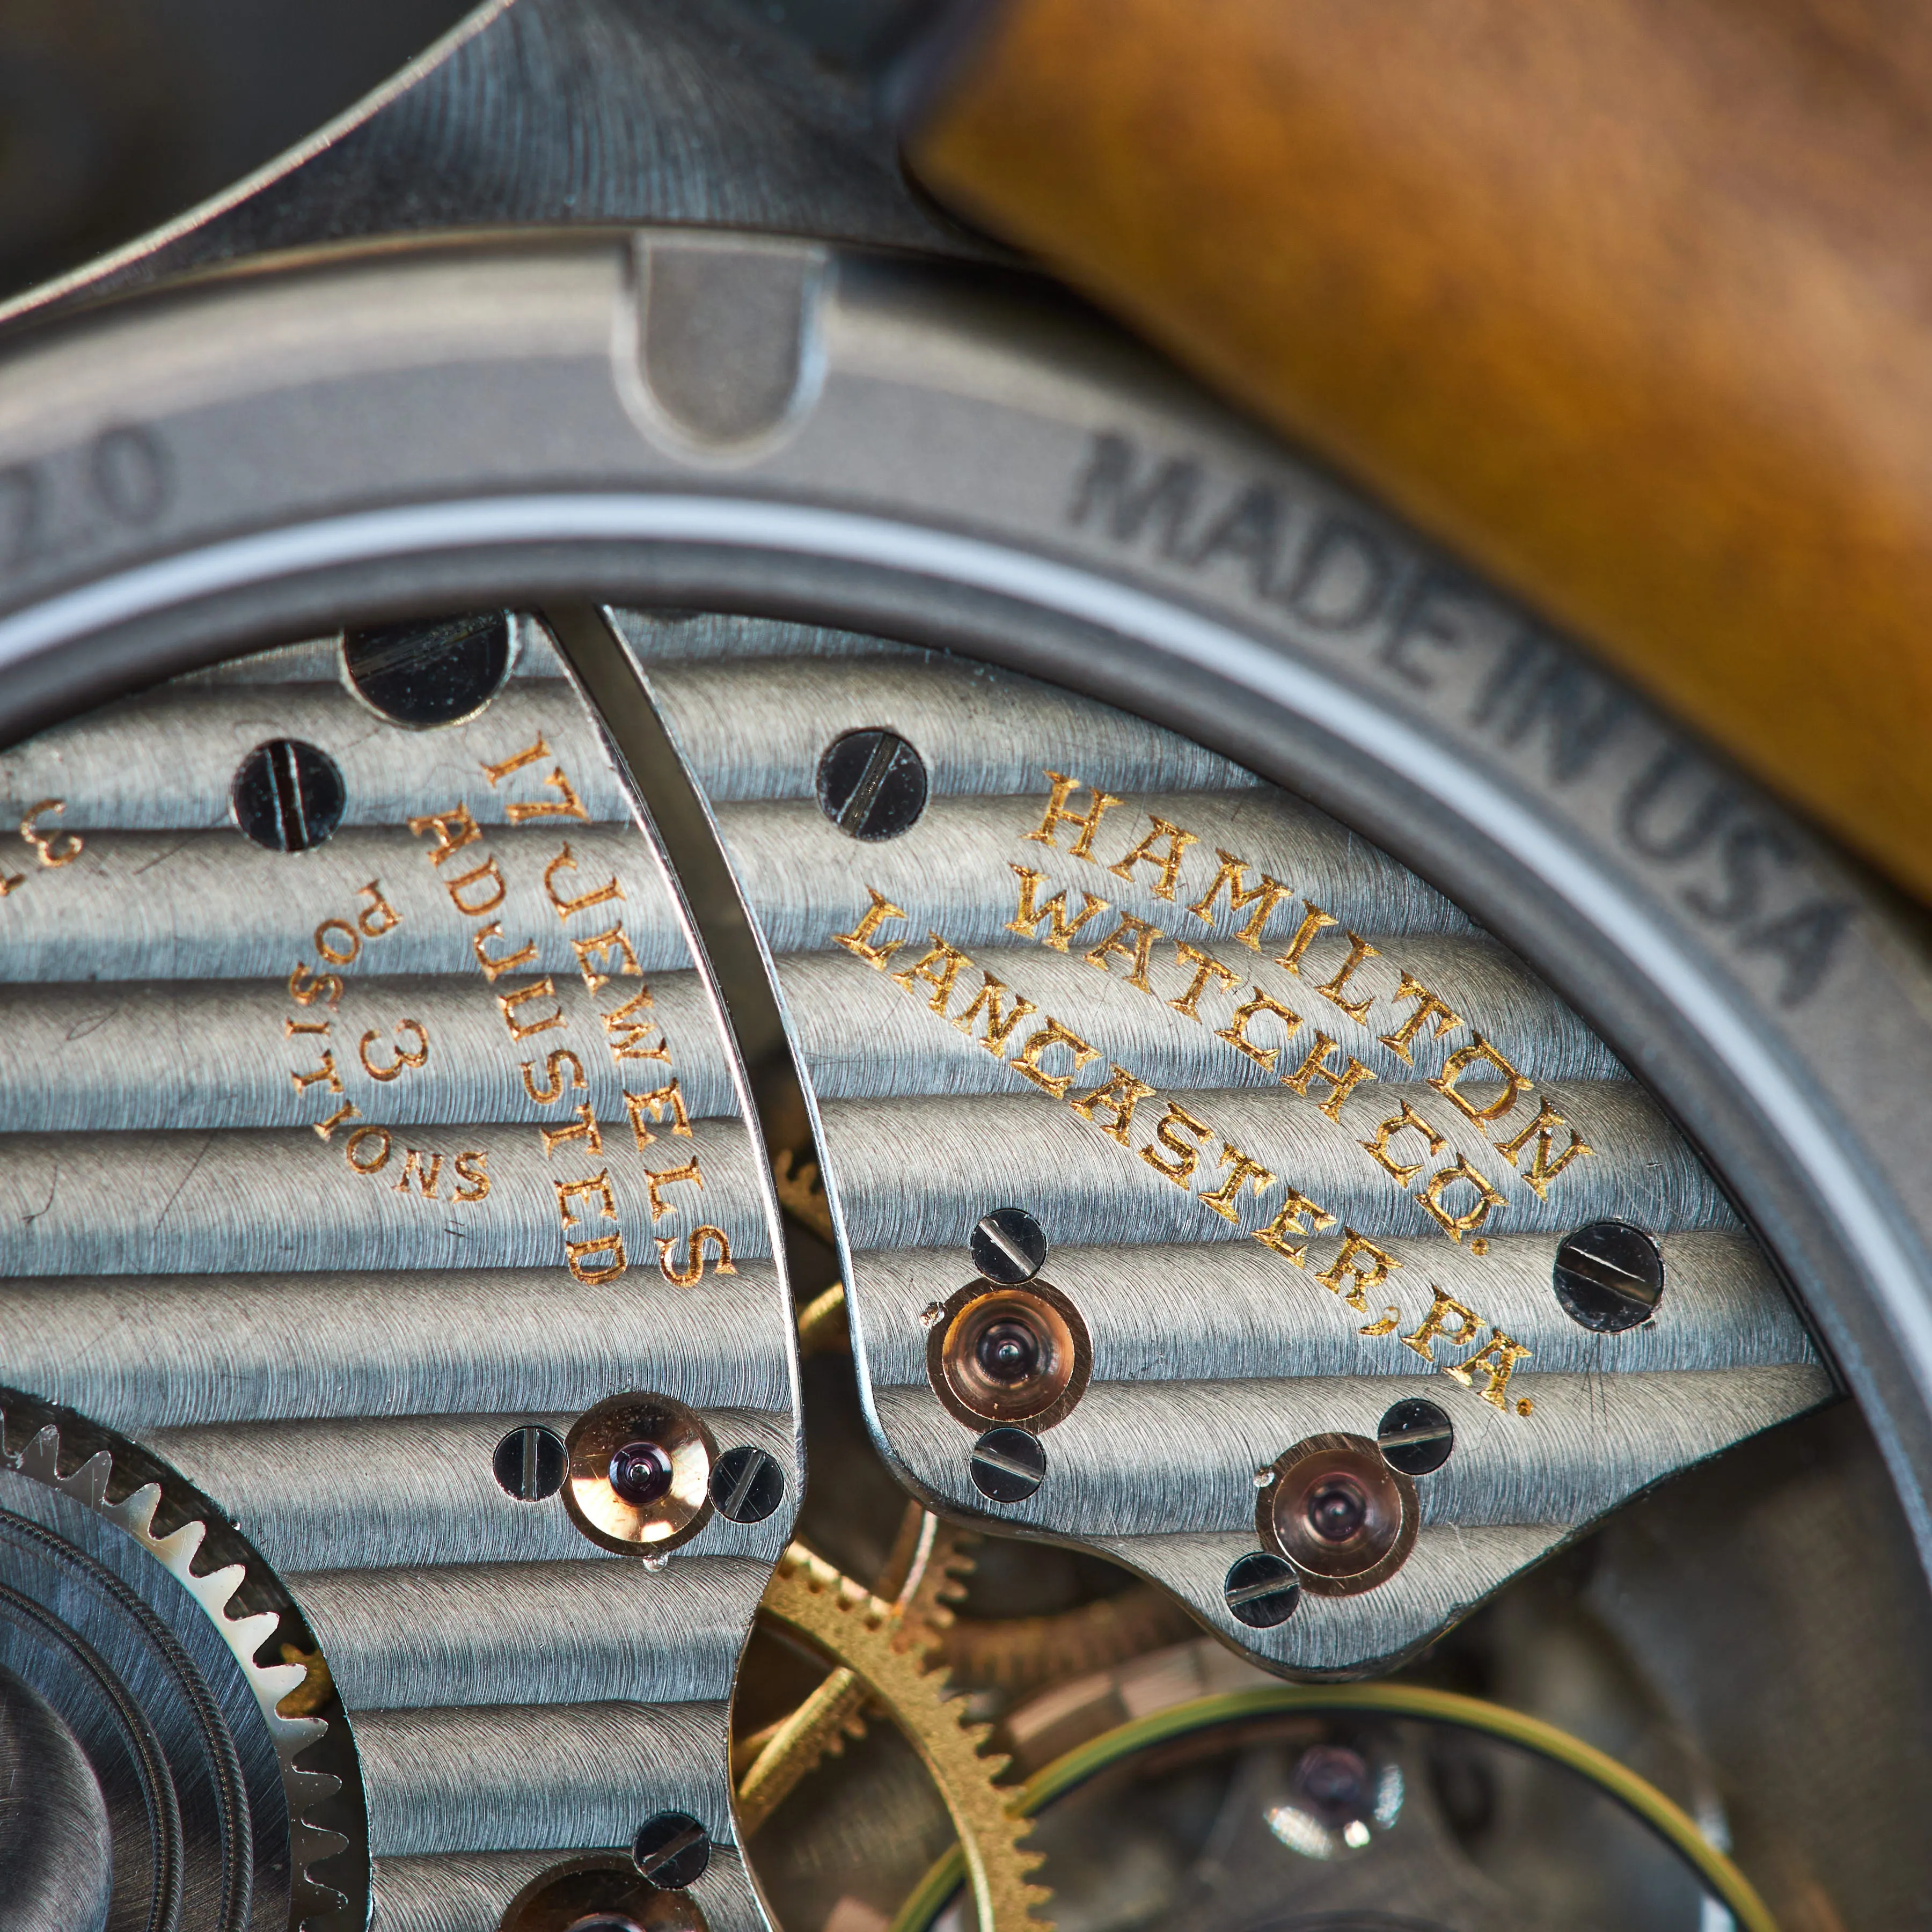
[927,1575]
[890,1653]
[108,1605]
[1017,1655]
[936,1578]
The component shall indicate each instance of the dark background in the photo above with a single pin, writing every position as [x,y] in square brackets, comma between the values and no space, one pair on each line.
[116,115]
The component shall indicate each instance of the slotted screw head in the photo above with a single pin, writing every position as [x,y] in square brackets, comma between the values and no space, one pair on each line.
[1008,1245]
[1262,1590]
[1416,1437]
[747,1485]
[1008,1464]
[871,784]
[288,795]
[672,1849]
[437,671]
[530,1462]
[1609,1277]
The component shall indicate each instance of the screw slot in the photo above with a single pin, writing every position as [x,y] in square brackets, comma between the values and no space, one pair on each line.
[1008,1246]
[288,795]
[1416,1437]
[871,784]
[530,1461]
[672,1850]
[1261,1589]
[748,1485]
[1609,1277]
[439,670]
[1008,1464]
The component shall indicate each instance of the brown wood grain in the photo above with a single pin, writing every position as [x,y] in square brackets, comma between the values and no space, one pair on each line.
[1629,301]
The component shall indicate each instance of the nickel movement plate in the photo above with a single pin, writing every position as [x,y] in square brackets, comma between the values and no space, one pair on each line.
[1317,1096]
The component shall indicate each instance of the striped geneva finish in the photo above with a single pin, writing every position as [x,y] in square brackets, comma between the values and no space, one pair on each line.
[1304,1139]
[323,1171]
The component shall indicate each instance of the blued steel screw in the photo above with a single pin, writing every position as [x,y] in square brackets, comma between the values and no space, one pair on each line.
[1008,1246]
[1609,1277]
[747,1485]
[288,795]
[1262,1590]
[1415,1437]
[1008,1464]
[530,1462]
[439,670]
[672,1850]
[871,784]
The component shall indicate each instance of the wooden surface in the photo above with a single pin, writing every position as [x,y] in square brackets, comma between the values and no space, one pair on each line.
[1628,300]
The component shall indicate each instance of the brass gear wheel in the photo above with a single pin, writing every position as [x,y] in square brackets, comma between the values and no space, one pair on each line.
[884,1652]
[1019,1655]
[923,1578]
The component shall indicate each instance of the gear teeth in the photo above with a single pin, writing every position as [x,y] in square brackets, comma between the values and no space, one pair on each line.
[938,1581]
[869,1637]
[850,1728]
[177,1549]
[311,1896]
[317,1842]
[309,1844]
[952,1564]
[254,1630]
[40,1459]
[298,1733]
[312,1787]
[818,1730]
[278,1679]
[88,1484]
[135,1512]
[215,1591]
